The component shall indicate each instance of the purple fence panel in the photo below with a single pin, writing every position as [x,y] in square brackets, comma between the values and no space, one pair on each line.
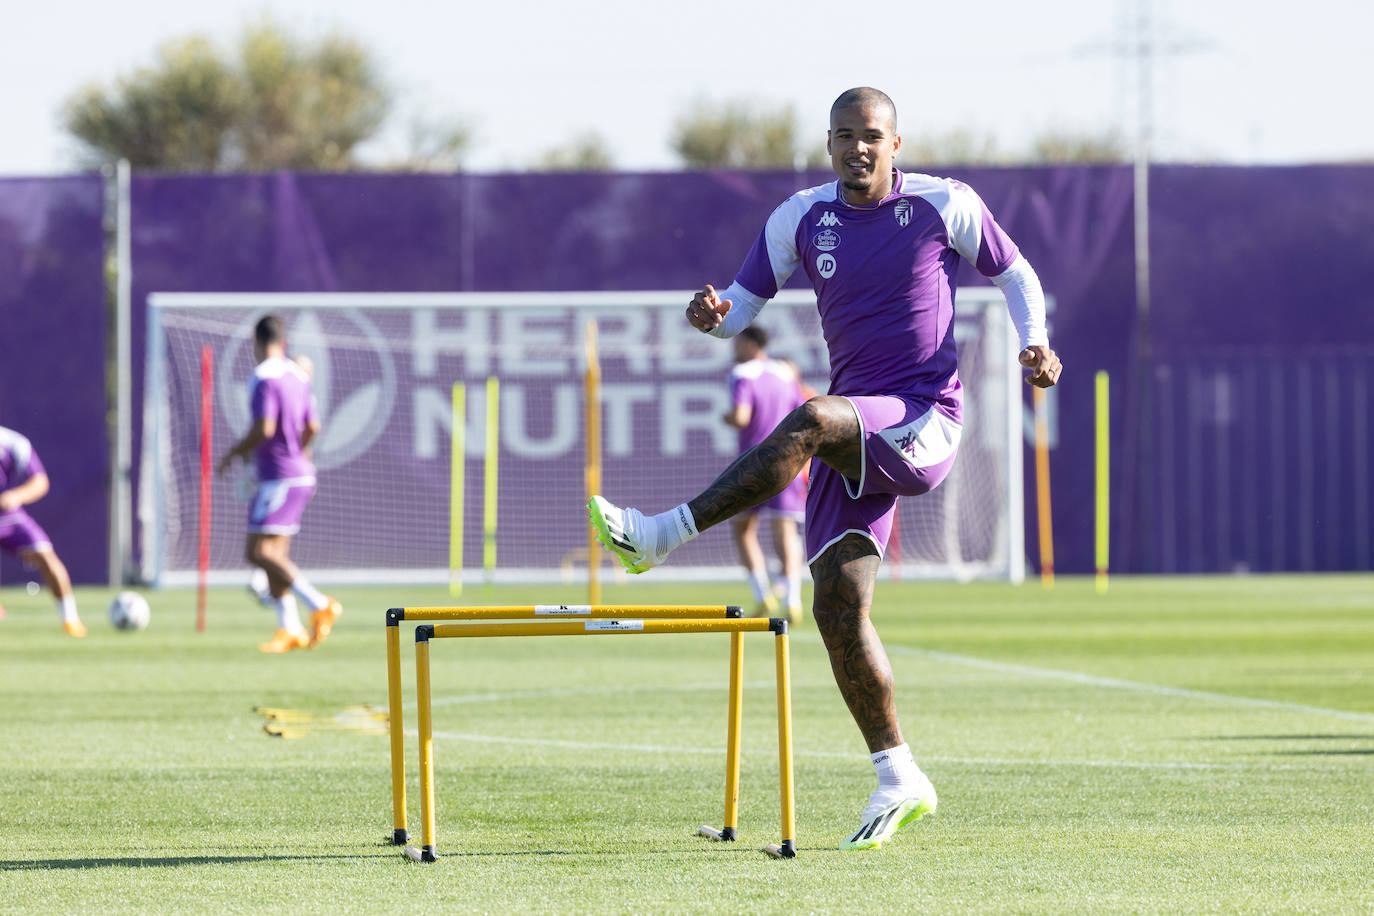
[52,358]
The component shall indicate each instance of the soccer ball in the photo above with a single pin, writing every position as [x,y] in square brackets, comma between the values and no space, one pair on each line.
[129,611]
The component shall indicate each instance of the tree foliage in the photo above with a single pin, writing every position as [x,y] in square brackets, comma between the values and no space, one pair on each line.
[584,153]
[738,135]
[1066,146]
[277,103]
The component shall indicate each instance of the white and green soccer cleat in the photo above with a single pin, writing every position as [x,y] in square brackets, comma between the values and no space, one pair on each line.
[885,815]
[626,533]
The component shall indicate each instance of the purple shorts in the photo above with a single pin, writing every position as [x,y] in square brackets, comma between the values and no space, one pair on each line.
[909,447]
[790,503]
[279,504]
[19,533]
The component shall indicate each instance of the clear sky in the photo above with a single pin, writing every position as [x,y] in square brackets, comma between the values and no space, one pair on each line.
[1235,81]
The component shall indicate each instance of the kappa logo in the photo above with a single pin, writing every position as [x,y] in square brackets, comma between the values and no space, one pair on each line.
[827,240]
[828,218]
[354,407]
[903,212]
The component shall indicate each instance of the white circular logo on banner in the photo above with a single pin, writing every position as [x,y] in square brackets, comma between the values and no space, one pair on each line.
[825,265]
[354,406]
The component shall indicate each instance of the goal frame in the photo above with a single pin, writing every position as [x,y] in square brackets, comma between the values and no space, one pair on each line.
[974,303]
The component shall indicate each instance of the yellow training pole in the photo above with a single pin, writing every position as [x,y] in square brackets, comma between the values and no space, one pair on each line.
[732,733]
[422,697]
[489,488]
[1042,489]
[456,478]
[593,408]
[1104,516]
[397,730]
[733,718]
[788,848]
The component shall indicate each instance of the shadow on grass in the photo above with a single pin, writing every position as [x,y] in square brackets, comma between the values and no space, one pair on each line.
[1288,738]
[77,862]
[1360,752]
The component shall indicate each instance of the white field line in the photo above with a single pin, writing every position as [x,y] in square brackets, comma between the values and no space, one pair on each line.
[1030,671]
[476,738]
[1111,683]
[618,690]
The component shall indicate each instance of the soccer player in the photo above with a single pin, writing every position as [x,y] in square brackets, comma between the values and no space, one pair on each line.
[882,250]
[22,482]
[762,392]
[284,423]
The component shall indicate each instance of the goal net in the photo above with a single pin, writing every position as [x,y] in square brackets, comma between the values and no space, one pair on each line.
[384,368]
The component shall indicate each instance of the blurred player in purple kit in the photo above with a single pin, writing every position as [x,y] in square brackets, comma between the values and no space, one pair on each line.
[284,423]
[762,392]
[22,482]
[882,250]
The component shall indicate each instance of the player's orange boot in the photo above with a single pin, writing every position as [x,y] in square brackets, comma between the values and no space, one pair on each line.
[322,621]
[74,628]
[285,641]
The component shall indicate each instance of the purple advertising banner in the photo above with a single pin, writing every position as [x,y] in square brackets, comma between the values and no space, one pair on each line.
[1239,255]
[52,359]
[613,232]
[1256,400]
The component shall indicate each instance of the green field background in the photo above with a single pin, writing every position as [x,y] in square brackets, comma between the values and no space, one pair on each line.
[1175,746]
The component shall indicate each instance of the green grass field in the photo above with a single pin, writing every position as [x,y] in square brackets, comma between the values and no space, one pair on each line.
[1179,746]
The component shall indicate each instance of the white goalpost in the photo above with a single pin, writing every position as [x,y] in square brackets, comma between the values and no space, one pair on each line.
[385,367]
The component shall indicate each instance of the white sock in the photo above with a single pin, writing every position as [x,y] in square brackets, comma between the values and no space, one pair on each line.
[67,607]
[309,594]
[288,618]
[759,583]
[673,528]
[794,591]
[896,768]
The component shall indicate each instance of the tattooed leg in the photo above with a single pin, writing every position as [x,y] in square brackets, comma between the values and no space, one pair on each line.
[844,576]
[824,427]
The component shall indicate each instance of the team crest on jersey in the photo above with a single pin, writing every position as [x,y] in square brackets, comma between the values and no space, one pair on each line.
[903,212]
[828,218]
[826,240]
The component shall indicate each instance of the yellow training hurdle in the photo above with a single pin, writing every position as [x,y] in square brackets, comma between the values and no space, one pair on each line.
[590,621]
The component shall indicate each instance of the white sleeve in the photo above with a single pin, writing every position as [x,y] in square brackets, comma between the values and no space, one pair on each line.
[1025,302]
[744,308]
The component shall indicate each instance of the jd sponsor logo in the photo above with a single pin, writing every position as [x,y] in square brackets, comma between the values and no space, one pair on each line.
[825,265]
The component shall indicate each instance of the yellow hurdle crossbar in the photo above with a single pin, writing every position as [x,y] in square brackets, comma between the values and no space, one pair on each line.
[600,621]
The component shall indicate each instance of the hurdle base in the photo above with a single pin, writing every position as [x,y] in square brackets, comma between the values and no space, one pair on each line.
[420,854]
[399,837]
[724,835]
[787,850]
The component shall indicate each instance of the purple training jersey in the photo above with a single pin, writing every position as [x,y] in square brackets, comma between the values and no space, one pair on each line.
[19,533]
[884,278]
[18,461]
[280,390]
[771,389]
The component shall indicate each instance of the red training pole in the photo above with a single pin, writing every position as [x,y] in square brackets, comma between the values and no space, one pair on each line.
[207,387]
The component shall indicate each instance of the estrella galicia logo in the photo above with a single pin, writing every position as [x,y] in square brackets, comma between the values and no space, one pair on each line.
[902,211]
[354,379]
[827,240]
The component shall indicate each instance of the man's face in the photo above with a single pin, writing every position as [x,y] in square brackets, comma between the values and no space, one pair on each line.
[862,142]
